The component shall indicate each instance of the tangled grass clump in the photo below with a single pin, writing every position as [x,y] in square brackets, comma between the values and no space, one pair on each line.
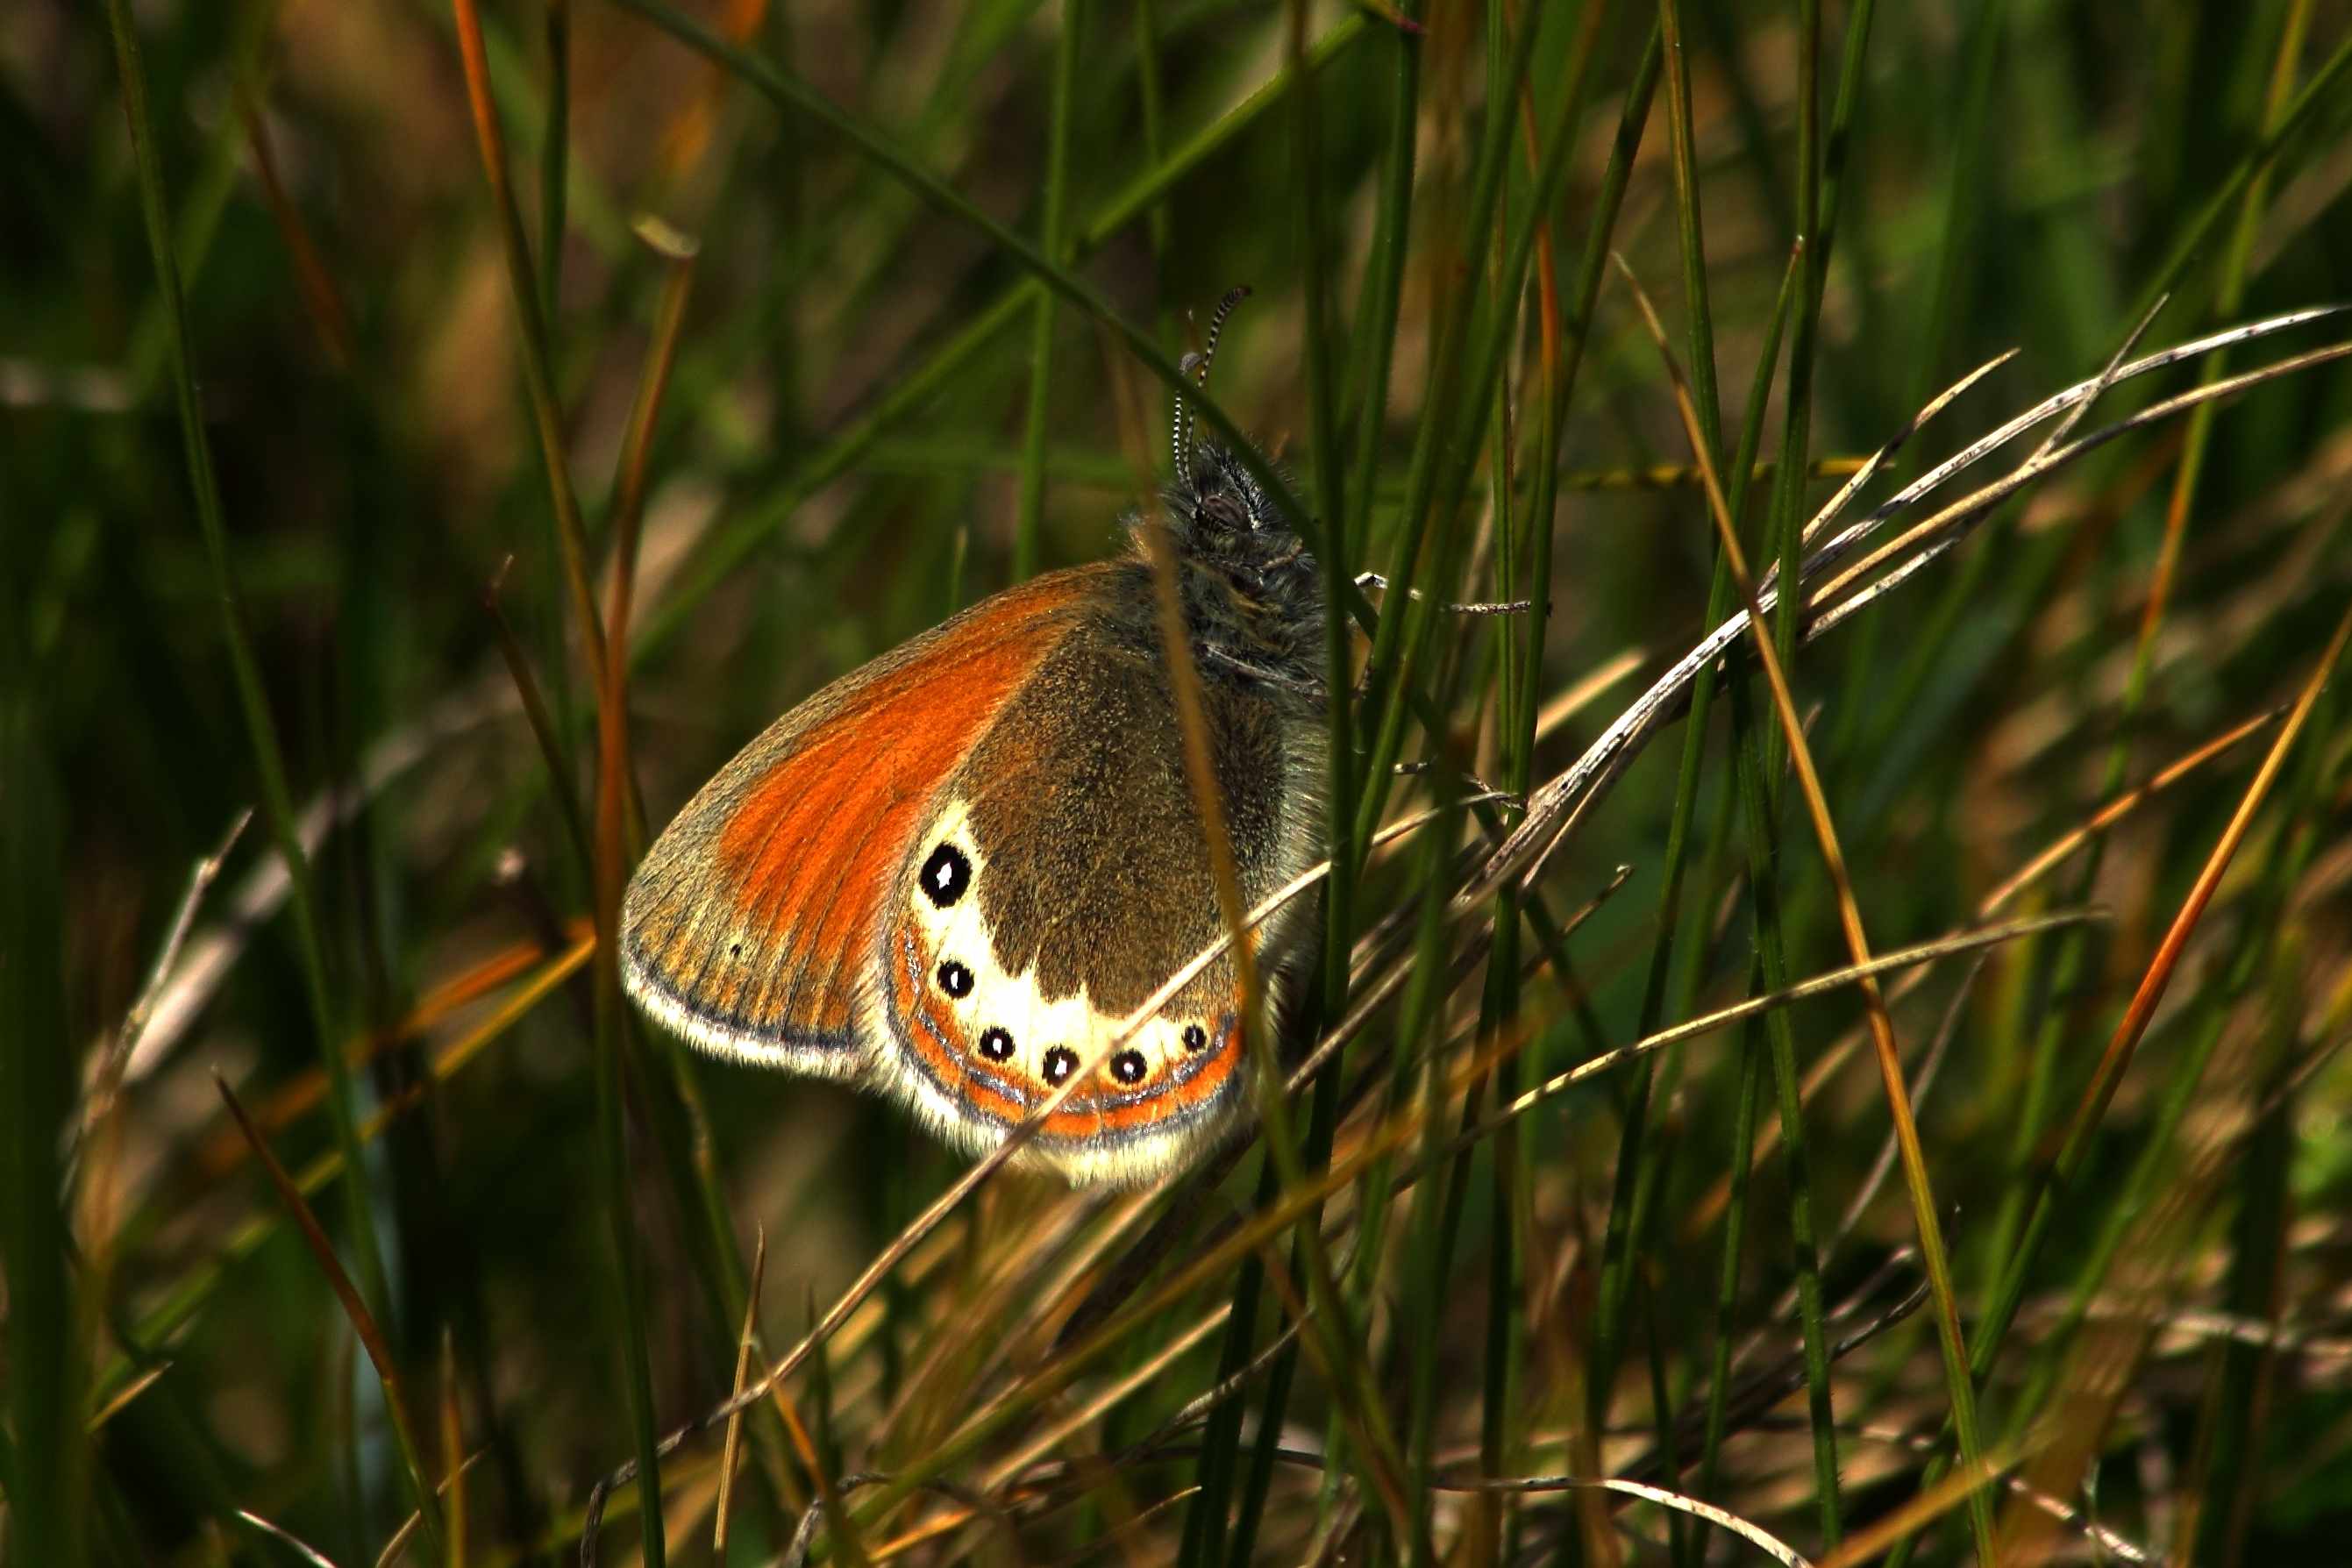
[1825,1041]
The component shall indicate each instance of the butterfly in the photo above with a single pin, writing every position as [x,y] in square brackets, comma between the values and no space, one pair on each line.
[952,875]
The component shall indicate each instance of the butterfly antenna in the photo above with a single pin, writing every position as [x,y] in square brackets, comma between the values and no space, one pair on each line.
[1181,441]
[1216,328]
[1194,367]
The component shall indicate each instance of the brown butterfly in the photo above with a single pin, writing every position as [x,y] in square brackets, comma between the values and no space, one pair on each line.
[953,874]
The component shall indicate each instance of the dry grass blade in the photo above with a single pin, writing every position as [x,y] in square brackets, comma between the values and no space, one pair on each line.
[1199,771]
[2115,810]
[362,1322]
[1925,1216]
[1144,1375]
[1879,459]
[117,1057]
[1967,1480]
[303,1549]
[211,949]
[847,1536]
[97,1132]
[1755,1535]
[2053,406]
[969,1182]
[1703,1213]
[128,1392]
[1939,533]
[319,295]
[453,1487]
[2107,378]
[453,1452]
[1554,809]
[731,1447]
[571,533]
[1828,592]
[1820,985]
[2117,1055]
[619,829]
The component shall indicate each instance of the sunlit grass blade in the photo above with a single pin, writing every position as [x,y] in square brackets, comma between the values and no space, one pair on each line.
[261,730]
[1924,1214]
[2074,1145]
[537,359]
[356,1310]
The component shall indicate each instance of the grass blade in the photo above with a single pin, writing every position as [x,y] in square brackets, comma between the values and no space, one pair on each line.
[261,731]
[355,1310]
[1924,1215]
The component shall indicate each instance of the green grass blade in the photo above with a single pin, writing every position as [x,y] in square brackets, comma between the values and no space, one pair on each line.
[1032,514]
[261,731]
[44,1465]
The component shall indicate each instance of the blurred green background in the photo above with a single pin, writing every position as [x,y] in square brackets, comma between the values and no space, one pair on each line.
[872,421]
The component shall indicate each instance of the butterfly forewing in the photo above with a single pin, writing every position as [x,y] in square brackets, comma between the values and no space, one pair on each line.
[751,927]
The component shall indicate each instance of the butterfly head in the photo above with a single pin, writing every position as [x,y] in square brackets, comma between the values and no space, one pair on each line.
[1216,508]
[1252,595]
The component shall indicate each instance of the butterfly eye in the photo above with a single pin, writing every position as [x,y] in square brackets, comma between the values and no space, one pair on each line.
[956,979]
[946,874]
[1128,1067]
[1196,1038]
[1060,1063]
[996,1045]
[1222,511]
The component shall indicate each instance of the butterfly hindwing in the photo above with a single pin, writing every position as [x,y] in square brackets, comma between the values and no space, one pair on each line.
[750,926]
[1061,879]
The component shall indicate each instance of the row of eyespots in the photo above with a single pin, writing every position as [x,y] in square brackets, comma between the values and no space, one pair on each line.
[996,1042]
[946,873]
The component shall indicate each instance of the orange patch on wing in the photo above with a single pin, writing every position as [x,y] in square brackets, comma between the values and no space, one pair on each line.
[811,848]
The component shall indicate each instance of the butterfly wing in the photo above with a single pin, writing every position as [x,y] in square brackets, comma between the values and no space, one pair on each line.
[750,926]
[1060,879]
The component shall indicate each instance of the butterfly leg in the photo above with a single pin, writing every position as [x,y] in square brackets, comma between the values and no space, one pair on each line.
[1501,607]
[1234,662]
[1471,780]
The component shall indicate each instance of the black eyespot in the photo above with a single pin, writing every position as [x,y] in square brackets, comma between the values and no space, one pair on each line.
[1128,1067]
[955,979]
[1060,1063]
[1196,1038]
[735,951]
[995,1044]
[946,874]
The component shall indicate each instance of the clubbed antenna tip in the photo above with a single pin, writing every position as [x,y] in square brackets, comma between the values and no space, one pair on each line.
[1195,369]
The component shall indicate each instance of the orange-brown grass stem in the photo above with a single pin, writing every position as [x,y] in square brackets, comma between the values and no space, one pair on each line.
[2125,1040]
[1350,1380]
[538,375]
[362,1322]
[1960,1386]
